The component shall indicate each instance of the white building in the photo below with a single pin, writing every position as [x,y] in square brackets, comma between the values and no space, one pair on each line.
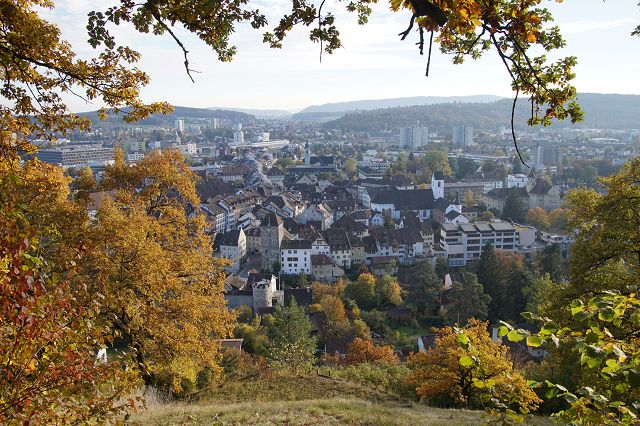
[232,245]
[295,257]
[238,134]
[179,125]
[413,138]
[464,242]
[517,181]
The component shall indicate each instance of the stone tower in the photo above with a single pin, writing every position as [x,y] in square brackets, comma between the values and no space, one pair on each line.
[271,234]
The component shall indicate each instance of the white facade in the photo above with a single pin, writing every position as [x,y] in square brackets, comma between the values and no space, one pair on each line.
[295,257]
[179,125]
[517,181]
[464,242]
[414,137]
[236,253]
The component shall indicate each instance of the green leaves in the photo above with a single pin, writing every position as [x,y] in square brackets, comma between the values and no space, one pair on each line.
[466,361]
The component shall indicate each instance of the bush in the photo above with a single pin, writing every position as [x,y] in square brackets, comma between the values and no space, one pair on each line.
[388,377]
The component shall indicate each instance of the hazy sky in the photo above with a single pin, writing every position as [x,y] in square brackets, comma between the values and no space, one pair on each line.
[373,63]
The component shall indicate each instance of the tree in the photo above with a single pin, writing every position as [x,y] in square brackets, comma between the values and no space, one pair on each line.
[48,368]
[351,167]
[365,351]
[539,218]
[467,300]
[492,279]
[161,286]
[436,161]
[537,292]
[469,200]
[558,218]
[549,261]
[336,328]
[467,368]
[516,281]
[291,345]
[427,287]
[513,206]
[465,167]
[388,291]
[84,184]
[363,291]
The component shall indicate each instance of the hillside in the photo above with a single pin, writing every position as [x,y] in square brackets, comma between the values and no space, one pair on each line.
[295,400]
[266,114]
[601,111]
[168,120]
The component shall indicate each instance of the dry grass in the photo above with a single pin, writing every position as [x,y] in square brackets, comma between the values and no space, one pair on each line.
[335,411]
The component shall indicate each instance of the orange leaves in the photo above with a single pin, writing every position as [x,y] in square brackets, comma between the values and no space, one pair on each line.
[365,351]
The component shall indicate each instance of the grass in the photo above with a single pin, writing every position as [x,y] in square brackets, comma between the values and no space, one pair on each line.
[279,399]
[330,411]
[300,400]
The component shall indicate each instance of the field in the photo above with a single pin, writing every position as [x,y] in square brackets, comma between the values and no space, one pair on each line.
[295,400]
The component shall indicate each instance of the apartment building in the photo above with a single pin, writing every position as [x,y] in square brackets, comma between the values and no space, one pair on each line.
[463,243]
[295,257]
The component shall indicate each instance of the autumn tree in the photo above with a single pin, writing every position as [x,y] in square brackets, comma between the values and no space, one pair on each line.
[365,351]
[558,218]
[466,368]
[467,300]
[362,290]
[388,291]
[291,345]
[154,265]
[539,218]
[336,328]
[48,367]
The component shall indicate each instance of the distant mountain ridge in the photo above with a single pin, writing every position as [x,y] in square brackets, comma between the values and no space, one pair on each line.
[334,110]
[258,113]
[610,111]
[169,119]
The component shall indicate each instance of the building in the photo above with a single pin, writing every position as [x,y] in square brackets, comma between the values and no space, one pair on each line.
[324,270]
[413,138]
[295,257]
[253,240]
[232,245]
[462,136]
[76,155]
[548,155]
[238,134]
[463,243]
[517,181]
[179,125]
[395,201]
[271,236]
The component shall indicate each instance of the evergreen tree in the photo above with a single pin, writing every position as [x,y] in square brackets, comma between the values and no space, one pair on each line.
[517,280]
[549,261]
[513,206]
[492,280]
[291,345]
[467,300]
[427,286]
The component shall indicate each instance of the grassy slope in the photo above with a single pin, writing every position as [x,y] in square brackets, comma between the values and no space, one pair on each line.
[302,401]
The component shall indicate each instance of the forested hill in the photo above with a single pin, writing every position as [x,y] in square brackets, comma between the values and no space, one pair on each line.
[601,111]
[168,120]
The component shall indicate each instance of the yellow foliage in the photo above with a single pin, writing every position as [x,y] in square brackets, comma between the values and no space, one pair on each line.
[439,372]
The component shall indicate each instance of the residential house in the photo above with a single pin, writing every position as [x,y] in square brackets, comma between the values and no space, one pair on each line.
[295,257]
[323,269]
[232,245]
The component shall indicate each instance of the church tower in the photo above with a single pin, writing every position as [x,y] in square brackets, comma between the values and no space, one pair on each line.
[437,185]
[307,154]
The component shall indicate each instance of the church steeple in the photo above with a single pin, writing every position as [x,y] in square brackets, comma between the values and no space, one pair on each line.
[307,154]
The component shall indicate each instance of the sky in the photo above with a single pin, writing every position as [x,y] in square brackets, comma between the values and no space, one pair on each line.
[373,64]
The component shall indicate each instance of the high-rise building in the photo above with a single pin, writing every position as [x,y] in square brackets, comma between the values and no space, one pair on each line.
[179,125]
[215,123]
[413,138]
[238,134]
[462,136]
[548,155]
